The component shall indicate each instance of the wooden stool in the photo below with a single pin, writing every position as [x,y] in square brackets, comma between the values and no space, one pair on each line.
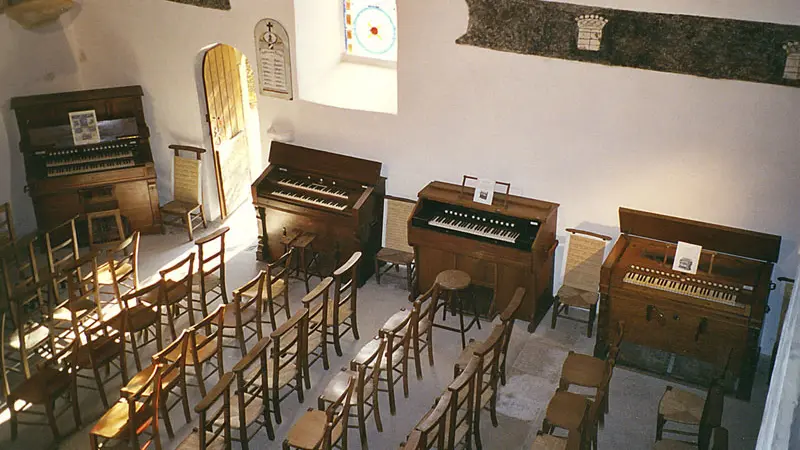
[452,282]
[302,245]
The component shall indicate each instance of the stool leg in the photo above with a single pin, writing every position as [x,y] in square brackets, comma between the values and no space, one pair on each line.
[555,312]
[477,318]
[377,271]
[304,268]
[461,320]
[592,313]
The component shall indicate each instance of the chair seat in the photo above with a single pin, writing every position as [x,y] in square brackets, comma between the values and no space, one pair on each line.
[309,431]
[549,442]
[104,273]
[65,312]
[566,410]
[41,387]
[204,352]
[338,385]
[466,354]
[229,318]
[35,335]
[366,351]
[103,349]
[251,412]
[286,375]
[680,406]
[179,207]
[669,444]
[212,280]
[276,287]
[115,421]
[396,319]
[345,311]
[579,298]
[141,378]
[453,280]
[176,293]
[392,256]
[192,442]
[583,370]
[139,316]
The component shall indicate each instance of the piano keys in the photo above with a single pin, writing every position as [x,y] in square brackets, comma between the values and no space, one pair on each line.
[336,197]
[66,180]
[706,316]
[501,248]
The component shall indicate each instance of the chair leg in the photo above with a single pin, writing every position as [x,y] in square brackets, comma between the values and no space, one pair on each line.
[324,346]
[304,268]
[240,338]
[49,409]
[189,226]
[377,271]
[276,407]
[555,312]
[268,424]
[100,387]
[362,426]
[285,305]
[203,217]
[135,351]
[417,358]
[376,411]
[336,340]
[493,409]
[306,373]
[660,427]
[476,428]
[390,389]
[165,414]
[592,314]
[14,420]
[198,374]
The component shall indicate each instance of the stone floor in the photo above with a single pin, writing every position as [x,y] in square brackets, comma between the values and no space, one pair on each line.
[534,362]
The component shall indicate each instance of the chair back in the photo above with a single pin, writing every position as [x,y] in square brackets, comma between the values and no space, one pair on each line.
[398,211]
[105,228]
[316,302]
[143,405]
[211,433]
[368,370]
[289,346]
[426,305]
[95,341]
[174,368]
[398,337]
[584,259]
[186,178]
[432,431]
[211,255]
[211,326]
[242,304]
[83,289]
[251,374]
[61,244]
[177,284]
[337,415]
[133,298]
[123,263]
[507,317]
[7,233]
[462,403]
[489,354]
[712,414]
[346,286]
[19,269]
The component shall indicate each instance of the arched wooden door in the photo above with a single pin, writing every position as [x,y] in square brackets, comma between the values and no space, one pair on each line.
[225,75]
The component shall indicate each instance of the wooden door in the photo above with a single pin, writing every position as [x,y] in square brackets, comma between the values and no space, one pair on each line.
[224,72]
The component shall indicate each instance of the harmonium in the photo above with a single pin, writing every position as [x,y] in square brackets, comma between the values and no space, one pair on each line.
[336,198]
[714,316]
[113,170]
[502,246]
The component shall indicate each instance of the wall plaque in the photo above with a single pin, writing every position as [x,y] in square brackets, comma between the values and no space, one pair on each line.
[274,59]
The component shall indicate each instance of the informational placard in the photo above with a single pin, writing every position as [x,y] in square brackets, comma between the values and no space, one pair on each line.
[687,257]
[84,127]
[484,191]
[274,59]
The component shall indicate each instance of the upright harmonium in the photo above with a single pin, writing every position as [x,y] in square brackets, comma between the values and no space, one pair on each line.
[502,246]
[336,198]
[113,171]
[713,316]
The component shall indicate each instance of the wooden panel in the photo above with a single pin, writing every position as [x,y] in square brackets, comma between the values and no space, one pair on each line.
[584,259]
[234,163]
[398,211]
[337,166]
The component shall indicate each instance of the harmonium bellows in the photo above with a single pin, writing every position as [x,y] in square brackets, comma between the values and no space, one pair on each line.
[714,316]
[113,172]
[337,198]
[502,246]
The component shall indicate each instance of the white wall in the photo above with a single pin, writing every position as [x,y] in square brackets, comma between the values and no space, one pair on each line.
[33,62]
[589,137]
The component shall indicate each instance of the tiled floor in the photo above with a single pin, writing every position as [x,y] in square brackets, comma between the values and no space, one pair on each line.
[534,363]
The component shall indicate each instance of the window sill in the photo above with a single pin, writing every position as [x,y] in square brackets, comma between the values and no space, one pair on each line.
[365,87]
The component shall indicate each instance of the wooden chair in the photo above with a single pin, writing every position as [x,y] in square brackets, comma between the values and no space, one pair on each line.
[687,408]
[488,353]
[286,362]
[576,413]
[82,305]
[214,431]
[7,233]
[507,317]
[581,286]
[244,314]
[463,412]
[105,229]
[187,203]
[173,379]
[317,303]
[143,321]
[100,346]
[397,252]
[175,295]
[275,289]
[432,431]
[323,429]
[61,246]
[130,416]
[303,243]
[49,383]
[422,337]
[121,267]
[365,396]
[573,441]
[204,348]
[343,314]
[251,405]
[717,440]
[209,281]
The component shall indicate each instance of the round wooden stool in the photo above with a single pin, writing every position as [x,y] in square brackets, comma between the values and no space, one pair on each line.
[301,245]
[453,282]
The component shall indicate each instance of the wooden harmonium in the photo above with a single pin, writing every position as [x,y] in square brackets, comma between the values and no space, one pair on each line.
[337,198]
[715,315]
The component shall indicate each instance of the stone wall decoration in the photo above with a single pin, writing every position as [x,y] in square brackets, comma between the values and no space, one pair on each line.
[274,59]
[213,4]
[703,46]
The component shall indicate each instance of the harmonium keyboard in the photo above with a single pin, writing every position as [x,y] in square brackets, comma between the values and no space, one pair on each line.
[502,246]
[337,198]
[714,316]
[113,172]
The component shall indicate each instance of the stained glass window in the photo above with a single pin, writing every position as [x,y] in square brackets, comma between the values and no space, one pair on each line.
[370,28]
